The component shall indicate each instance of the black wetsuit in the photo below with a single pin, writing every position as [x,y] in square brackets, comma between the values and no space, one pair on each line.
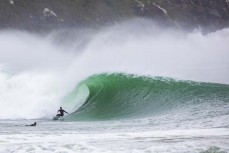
[34,124]
[61,112]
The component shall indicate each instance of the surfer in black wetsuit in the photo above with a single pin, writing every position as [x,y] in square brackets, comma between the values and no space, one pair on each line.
[34,124]
[61,112]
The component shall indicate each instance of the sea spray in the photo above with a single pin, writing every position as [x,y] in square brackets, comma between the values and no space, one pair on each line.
[39,71]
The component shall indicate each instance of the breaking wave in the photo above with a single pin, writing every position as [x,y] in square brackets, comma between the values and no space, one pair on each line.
[116,96]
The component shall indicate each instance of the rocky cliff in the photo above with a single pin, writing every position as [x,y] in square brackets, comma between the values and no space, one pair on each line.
[52,14]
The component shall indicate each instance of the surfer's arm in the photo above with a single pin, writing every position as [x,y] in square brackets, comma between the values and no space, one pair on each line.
[66,112]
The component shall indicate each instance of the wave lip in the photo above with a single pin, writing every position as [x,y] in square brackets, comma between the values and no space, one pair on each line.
[118,96]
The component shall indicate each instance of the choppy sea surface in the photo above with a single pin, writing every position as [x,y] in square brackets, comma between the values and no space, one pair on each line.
[143,135]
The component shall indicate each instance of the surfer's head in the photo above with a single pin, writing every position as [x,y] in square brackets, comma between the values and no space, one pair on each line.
[60,107]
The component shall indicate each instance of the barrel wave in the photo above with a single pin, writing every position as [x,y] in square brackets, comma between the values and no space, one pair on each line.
[121,96]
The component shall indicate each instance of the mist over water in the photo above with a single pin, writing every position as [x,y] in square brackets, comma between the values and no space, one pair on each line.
[36,72]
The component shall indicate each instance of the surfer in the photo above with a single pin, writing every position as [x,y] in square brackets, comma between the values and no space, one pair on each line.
[34,124]
[61,112]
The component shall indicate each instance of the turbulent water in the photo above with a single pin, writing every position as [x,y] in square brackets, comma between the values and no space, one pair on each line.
[132,87]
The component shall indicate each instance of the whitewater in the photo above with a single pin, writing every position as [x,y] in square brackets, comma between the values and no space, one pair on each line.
[130,87]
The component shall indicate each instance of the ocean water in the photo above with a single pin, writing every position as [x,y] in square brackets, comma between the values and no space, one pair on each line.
[115,136]
[132,87]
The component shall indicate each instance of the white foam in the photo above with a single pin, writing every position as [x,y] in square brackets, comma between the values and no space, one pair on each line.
[94,137]
[37,72]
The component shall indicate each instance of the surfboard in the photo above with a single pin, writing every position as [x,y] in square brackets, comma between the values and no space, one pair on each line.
[56,118]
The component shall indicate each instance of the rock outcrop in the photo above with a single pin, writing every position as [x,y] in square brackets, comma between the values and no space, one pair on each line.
[39,15]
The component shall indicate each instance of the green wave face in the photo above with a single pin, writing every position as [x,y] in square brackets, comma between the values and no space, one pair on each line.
[118,96]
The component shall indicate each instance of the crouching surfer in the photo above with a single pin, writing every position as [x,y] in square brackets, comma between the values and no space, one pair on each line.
[61,112]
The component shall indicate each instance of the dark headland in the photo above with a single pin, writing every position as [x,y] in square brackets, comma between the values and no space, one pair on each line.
[46,15]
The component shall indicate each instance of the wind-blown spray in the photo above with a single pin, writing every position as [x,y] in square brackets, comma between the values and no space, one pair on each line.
[37,72]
